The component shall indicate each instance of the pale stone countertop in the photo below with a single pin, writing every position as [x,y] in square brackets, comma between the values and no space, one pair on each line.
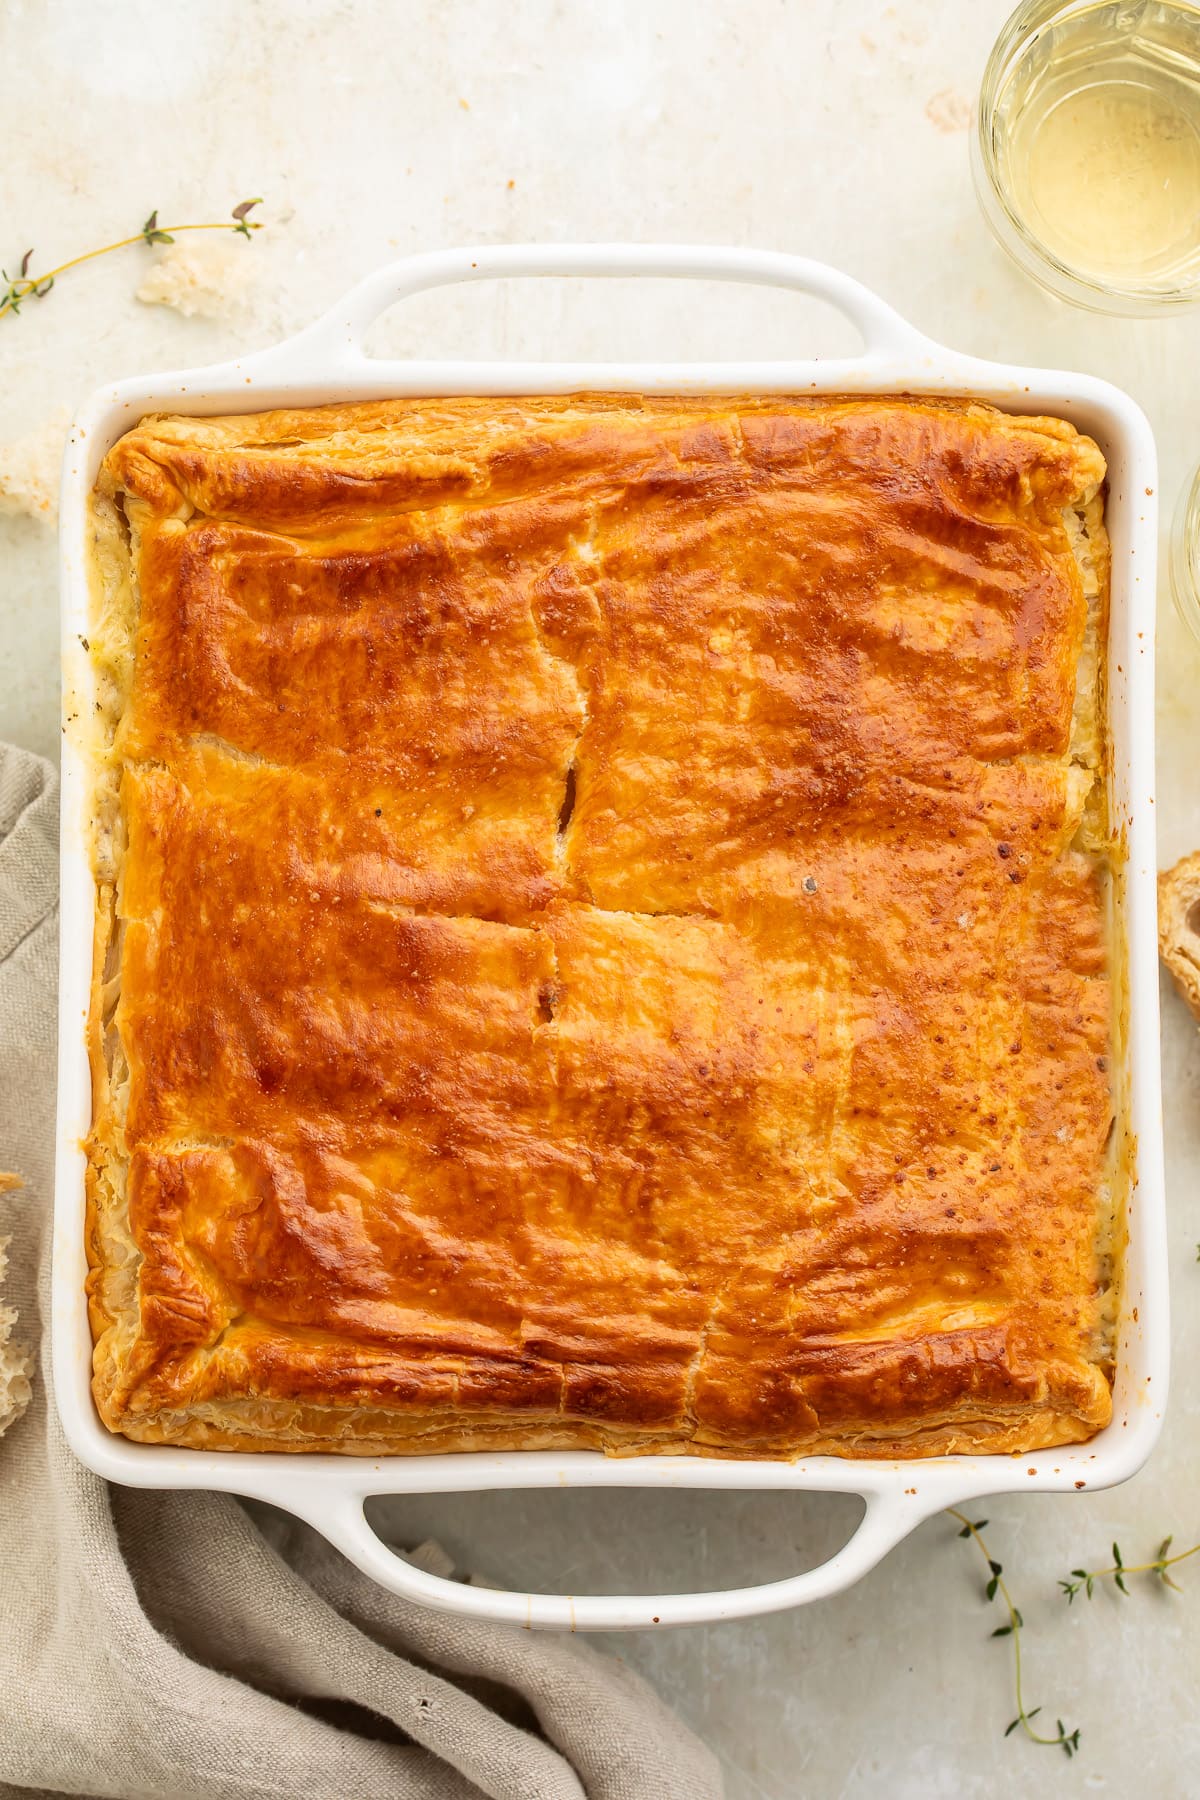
[833,127]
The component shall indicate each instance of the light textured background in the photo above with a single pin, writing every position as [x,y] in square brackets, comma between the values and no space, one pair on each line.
[833,127]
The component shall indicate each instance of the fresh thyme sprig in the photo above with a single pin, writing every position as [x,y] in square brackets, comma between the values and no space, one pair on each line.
[24,286]
[1067,1741]
[1086,1579]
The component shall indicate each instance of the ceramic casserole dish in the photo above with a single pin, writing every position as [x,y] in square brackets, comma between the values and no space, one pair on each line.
[327,363]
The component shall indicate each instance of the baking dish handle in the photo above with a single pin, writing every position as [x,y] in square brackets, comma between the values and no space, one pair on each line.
[337,337]
[886,1521]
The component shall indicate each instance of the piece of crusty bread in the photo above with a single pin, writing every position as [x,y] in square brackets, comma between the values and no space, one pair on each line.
[1179,926]
[29,471]
[16,1360]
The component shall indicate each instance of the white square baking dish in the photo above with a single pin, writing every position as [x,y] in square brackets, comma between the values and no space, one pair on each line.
[326,363]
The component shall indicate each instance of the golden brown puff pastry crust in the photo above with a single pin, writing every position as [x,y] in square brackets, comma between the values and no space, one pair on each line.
[600,930]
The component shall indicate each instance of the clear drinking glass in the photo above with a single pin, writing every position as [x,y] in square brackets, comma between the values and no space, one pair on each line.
[1185,553]
[1086,150]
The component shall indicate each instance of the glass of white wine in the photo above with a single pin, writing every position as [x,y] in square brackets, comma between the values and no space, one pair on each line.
[1185,553]
[1086,150]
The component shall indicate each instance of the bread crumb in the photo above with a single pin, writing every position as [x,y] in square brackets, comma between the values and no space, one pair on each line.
[30,469]
[16,1360]
[202,277]
[949,111]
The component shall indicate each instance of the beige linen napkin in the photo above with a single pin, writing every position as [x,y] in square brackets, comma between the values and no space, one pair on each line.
[169,1645]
